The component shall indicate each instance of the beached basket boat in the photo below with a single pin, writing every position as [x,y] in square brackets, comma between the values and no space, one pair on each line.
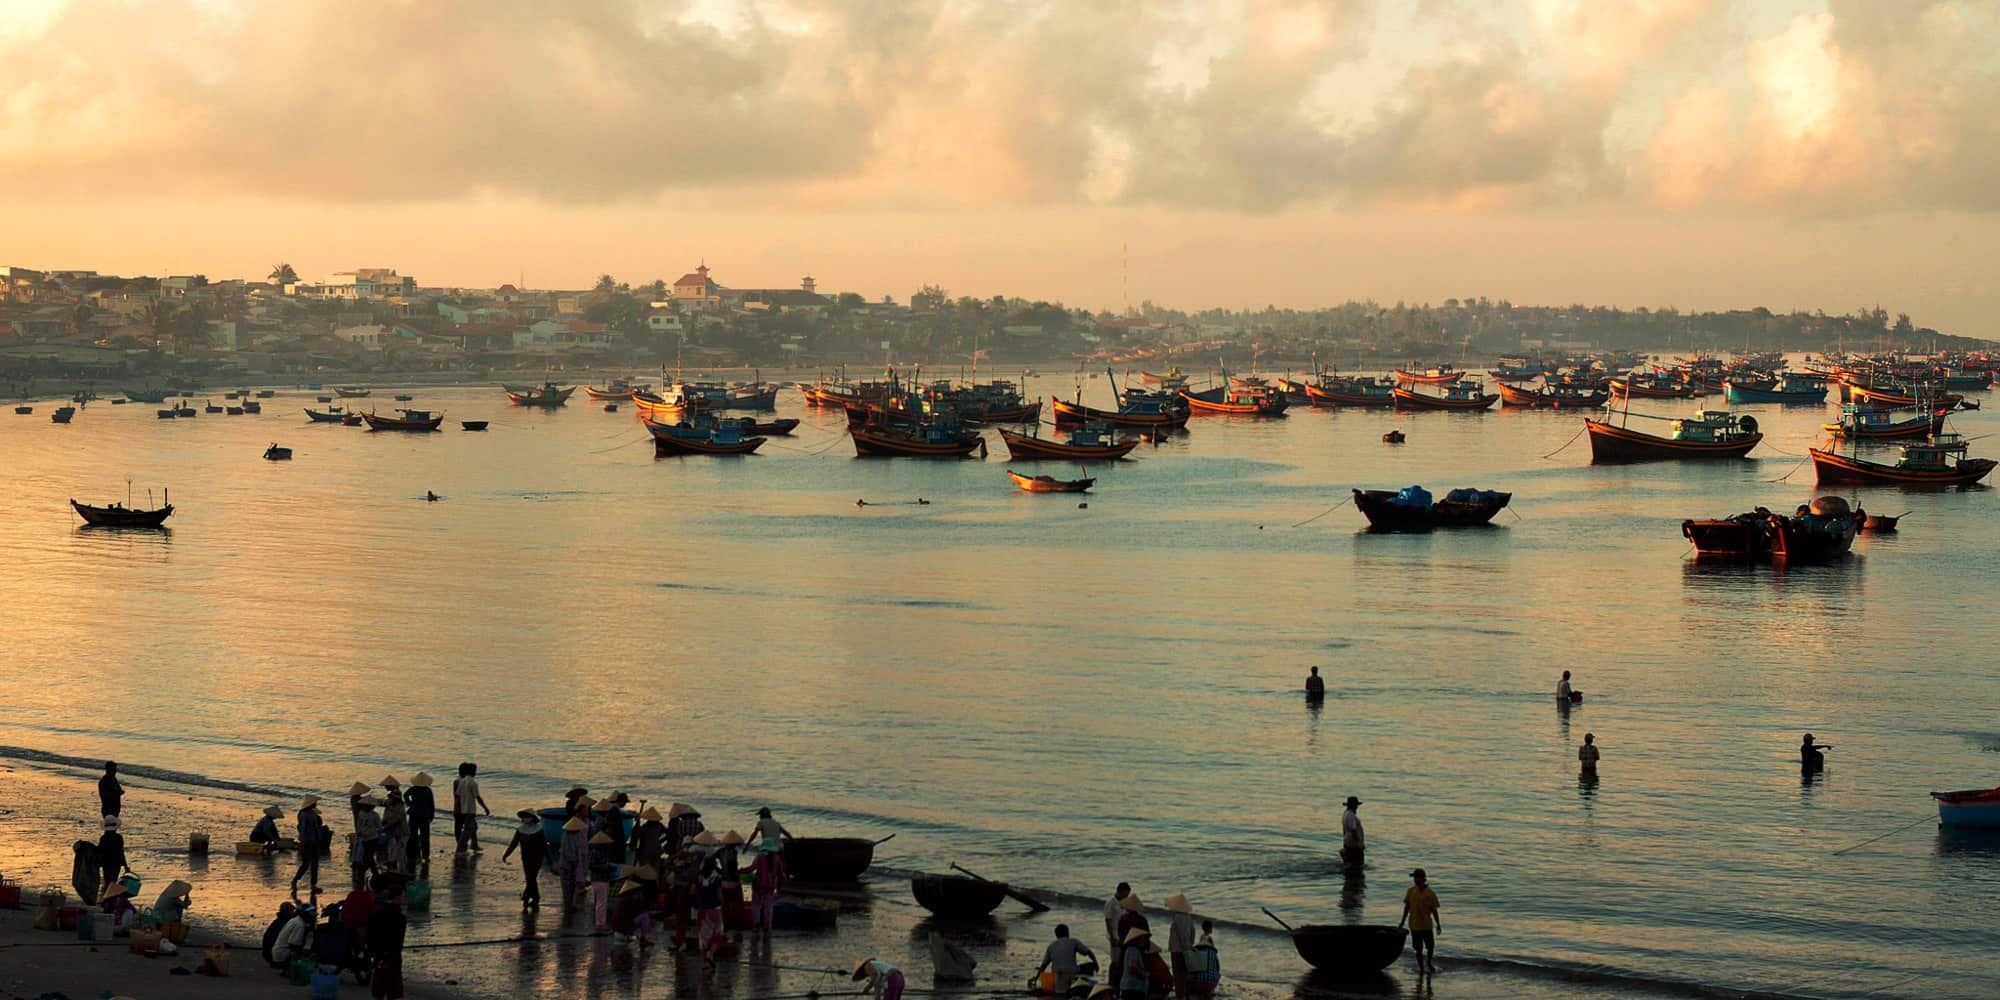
[956,896]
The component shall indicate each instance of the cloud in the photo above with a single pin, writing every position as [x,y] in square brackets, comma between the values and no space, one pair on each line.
[787,105]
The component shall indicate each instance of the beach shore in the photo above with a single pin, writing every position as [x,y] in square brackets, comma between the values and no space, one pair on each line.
[477,942]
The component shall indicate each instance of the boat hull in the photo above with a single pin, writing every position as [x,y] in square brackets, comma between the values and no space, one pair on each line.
[1611,445]
[1416,378]
[1269,406]
[876,444]
[422,426]
[956,897]
[1023,447]
[1915,427]
[1514,395]
[1325,397]
[1349,951]
[1074,413]
[1410,399]
[828,859]
[1842,470]
[1049,484]
[119,517]
[668,444]
[1977,809]
[614,394]
[1747,394]
[546,400]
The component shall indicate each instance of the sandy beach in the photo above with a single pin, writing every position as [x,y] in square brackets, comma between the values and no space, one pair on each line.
[476,942]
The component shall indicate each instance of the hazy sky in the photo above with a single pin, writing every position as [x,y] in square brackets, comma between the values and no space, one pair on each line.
[1700,153]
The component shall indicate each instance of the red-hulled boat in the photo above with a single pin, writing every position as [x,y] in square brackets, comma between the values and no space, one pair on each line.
[1457,396]
[1705,435]
[1555,397]
[1130,416]
[1644,386]
[1884,399]
[1351,392]
[929,439]
[1086,444]
[1248,401]
[1940,461]
[411,420]
[1821,532]
[1429,376]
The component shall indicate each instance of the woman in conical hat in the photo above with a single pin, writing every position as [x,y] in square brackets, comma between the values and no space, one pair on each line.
[573,863]
[534,848]
[602,864]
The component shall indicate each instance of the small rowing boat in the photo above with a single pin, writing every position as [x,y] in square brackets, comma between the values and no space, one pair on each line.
[1049,484]
[1978,808]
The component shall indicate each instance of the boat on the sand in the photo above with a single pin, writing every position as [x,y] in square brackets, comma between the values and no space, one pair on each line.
[829,859]
[957,897]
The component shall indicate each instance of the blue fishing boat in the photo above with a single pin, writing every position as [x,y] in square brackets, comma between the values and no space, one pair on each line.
[333,416]
[1790,390]
[1979,808]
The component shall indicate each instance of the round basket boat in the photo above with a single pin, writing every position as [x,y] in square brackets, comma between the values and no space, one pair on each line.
[1349,951]
[957,897]
[828,859]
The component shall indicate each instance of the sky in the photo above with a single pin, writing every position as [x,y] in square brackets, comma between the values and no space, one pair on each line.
[1813,154]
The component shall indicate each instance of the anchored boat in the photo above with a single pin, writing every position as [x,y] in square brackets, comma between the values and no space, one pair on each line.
[1707,434]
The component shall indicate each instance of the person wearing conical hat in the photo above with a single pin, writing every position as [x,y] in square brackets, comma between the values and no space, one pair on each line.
[602,865]
[735,916]
[683,825]
[1134,974]
[1132,918]
[708,905]
[573,863]
[885,981]
[1180,941]
[649,839]
[116,900]
[367,839]
[577,793]
[534,847]
[111,861]
[395,842]
[354,794]
[767,879]
[266,830]
[609,817]
[171,910]
[420,805]
[312,840]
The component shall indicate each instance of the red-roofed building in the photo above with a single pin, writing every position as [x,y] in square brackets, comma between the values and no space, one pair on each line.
[696,288]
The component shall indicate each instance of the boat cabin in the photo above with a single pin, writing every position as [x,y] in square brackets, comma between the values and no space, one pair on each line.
[1939,454]
[1706,426]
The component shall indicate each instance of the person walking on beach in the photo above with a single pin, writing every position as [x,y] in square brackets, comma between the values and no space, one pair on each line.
[422,809]
[312,837]
[533,845]
[573,863]
[885,981]
[466,805]
[111,860]
[367,838]
[387,927]
[601,867]
[1353,841]
[734,914]
[708,924]
[1420,912]
[1060,957]
[1180,942]
[1588,754]
[110,794]
[767,878]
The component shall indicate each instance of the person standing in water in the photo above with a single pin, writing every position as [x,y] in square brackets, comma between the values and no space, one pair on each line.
[1810,756]
[1353,846]
[466,805]
[1315,685]
[1563,691]
[1420,912]
[110,794]
[1588,754]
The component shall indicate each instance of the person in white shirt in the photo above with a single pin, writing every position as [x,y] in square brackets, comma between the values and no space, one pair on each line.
[1588,754]
[1352,845]
[1113,909]
[293,940]
[466,805]
[1060,957]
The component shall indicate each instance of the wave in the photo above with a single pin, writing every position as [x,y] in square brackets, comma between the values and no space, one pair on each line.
[143,771]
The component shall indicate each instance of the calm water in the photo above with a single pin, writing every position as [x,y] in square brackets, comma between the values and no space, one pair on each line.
[1069,697]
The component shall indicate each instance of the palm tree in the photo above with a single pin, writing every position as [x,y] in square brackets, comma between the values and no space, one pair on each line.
[282,274]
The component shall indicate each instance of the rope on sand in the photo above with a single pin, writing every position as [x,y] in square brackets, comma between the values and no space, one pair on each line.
[1921,819]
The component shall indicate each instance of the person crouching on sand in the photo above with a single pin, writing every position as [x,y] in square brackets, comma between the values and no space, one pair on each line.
[885,981]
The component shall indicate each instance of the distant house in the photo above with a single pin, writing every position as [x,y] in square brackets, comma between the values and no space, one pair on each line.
[695,288]
[178,286]
[664,320]
[368,283]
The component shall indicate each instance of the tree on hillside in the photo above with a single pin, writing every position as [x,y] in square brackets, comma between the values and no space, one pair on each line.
[605,283]
[282,274]
[78,320]
[160,315]
[190,328]
[658,289]
[929,297]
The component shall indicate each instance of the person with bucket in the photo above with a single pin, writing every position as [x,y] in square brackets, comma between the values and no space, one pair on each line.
[312,836]
[111,861]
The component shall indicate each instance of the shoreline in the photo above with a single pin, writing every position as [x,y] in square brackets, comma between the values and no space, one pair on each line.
[476,943]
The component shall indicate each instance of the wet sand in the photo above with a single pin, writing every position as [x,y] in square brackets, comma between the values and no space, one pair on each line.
[476,942]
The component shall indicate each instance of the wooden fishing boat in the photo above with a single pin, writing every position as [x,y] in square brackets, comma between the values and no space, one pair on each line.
[350,420]
[1351,392]
[1940,461]
[1707,434]
[252,406]
[1049,484]
[1026,414]
[62,414]
[121,516]
[1880,524]
[613,392]
[1429,376]
[956,897]
[712,439]
[1412,509]
[266,393]
[472,425]
[419,421]
[758,396]
[1872,424]
[1978,808]
[154,398]
[1173,379]
[1465,396]
[781,427]
[1640,385]
[547,396]
[1085,444]
[167,414]
[277,454]
[929,439]
[1349,951]
[1249,401]
[1555,397]
[824,860]
[352,392]
[234,411]
[1793,390]
[1393,437]
[211,408]
[1886,399]
[1143,413]
[1821,532]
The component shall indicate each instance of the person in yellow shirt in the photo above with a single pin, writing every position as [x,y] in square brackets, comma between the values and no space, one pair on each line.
[1420,911]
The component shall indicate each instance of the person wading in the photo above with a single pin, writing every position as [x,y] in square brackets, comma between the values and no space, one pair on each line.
[1420,912]
[1588,754]
[1315,686]
[1810,756]
[1353,846]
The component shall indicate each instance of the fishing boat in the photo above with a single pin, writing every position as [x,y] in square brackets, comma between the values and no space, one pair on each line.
[1240,400]
[547,396]
[168,414]
[1351,392]
[120,516]
[781,427]
[419,421]
[686,438]
[1707,434]
[472,425]
[1025,413]
[1393,437]
[1173,379]
[404,397]
[1049,484]
[1939,461]
[1792,390]
[829,860]
[1429,376]
[252,406]
[211,408]
[1872,424]
[615,391]
[1557,396]
[277,454]
[62,414]
[1411,508]
[331,416]
[956,897]
[1349,951]
[1652,385]
[934,438]
[352,392]
[1821,532]
[350,420]
[22,411]
[1901,398]
[1136,408]
[155,398]
[1978,808]
[266,393]
[184,411]
[323,399]
[234,411]
[755,396]
[1466,396]
[1089,443]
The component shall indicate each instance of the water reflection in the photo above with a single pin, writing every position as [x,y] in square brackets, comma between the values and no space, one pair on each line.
[1958,840]
[1353,893]
[1317,985]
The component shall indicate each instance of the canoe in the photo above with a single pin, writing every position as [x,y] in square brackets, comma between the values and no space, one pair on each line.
[473,425]
[122,517]
[1610,443]
[1050,484]
[828,859]
[957,897]
[1026,447]
[1979,808]
[1349,951]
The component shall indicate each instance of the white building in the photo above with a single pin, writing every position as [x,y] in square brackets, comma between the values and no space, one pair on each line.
[368,283]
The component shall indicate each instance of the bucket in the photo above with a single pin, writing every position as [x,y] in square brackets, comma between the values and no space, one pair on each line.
[302,971]
[84,921]
[249,847]
[131,884]
[1046,983]
[325,983]
[417,895]
[198,845]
